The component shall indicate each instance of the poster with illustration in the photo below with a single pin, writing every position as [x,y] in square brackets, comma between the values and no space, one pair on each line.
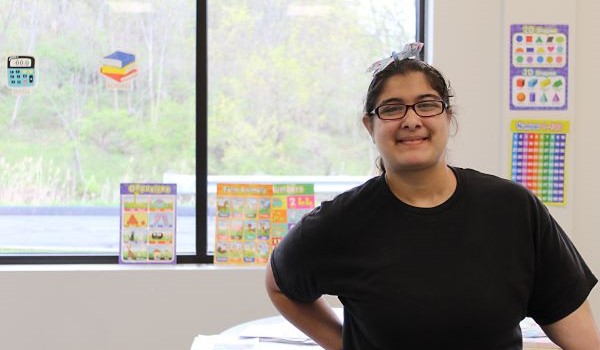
[148,223]
[539,67]
[241,213]
[290,203]
[252,218]
[538,158]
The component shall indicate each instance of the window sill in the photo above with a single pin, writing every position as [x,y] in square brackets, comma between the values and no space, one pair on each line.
[121,267]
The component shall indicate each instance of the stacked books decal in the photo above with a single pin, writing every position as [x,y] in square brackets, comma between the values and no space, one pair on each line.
[119,66]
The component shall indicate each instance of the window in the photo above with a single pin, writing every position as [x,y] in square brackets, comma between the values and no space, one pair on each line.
[286,80]
[228,90]
[68,141]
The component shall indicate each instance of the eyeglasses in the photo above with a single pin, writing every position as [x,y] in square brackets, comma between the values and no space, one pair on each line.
[395,111]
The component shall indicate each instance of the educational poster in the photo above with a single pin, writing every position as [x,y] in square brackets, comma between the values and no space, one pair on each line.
[290,203]
[539,67]
[253,218]
[148,223]
[243,224]
[538,158]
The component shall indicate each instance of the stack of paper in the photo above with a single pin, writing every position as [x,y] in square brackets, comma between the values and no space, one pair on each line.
[220,342]
[283,332]
[530,329]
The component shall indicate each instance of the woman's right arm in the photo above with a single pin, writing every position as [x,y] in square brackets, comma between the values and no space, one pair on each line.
[316,319]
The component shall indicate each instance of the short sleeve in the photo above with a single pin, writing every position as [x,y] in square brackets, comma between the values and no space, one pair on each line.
[562,279]
[291,265]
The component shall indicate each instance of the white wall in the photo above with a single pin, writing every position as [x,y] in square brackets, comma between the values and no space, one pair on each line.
[116,307]
[471,46]
[125,307]
[587,143]
[122,307]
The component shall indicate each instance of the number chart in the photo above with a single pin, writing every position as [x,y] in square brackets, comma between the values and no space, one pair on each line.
[538,158]
[539,67]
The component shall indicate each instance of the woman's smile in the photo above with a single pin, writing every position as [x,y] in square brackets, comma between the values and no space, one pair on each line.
[412,140]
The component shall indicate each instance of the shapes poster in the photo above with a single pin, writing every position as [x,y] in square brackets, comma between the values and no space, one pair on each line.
[148,223]
[538,67]
[538,158]
[253,218]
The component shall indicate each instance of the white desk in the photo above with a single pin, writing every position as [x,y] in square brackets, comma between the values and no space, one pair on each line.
[277,325]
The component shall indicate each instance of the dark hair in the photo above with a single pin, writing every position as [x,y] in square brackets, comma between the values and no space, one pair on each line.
[403,67]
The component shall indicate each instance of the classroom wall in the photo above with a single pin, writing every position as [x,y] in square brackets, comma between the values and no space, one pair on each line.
[122,307]
[587,143]
[470,44]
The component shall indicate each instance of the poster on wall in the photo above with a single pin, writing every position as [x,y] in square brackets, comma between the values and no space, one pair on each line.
[290,203]
[538,158]
[148,223]
[252,219]
[539,67]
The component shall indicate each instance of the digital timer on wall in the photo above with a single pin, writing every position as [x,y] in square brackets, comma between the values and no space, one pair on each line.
[21,71]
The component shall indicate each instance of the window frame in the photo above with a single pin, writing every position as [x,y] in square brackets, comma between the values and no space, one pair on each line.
[201,242]
[201,168]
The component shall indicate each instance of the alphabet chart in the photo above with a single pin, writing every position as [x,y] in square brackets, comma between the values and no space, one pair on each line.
[148,223]
[538,158]
[253,218]
[538,67]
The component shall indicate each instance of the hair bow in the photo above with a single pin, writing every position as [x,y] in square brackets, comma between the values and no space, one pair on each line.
[410,50]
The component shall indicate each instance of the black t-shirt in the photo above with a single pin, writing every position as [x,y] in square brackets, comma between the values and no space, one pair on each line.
[461,275]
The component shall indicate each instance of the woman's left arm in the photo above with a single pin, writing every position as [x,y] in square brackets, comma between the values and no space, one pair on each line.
[577,331]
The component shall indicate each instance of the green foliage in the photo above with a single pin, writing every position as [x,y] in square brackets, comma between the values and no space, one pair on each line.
[287,81]
[35,182]
[72,140]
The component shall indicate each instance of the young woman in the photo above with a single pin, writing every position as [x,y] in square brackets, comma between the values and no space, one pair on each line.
[427,255]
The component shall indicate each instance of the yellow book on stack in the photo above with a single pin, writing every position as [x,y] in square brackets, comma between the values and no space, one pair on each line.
[115,70]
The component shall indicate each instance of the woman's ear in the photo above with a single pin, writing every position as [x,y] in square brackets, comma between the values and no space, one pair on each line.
[368,123]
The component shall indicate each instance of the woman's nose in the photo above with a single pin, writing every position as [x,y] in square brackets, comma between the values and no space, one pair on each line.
[411,120]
